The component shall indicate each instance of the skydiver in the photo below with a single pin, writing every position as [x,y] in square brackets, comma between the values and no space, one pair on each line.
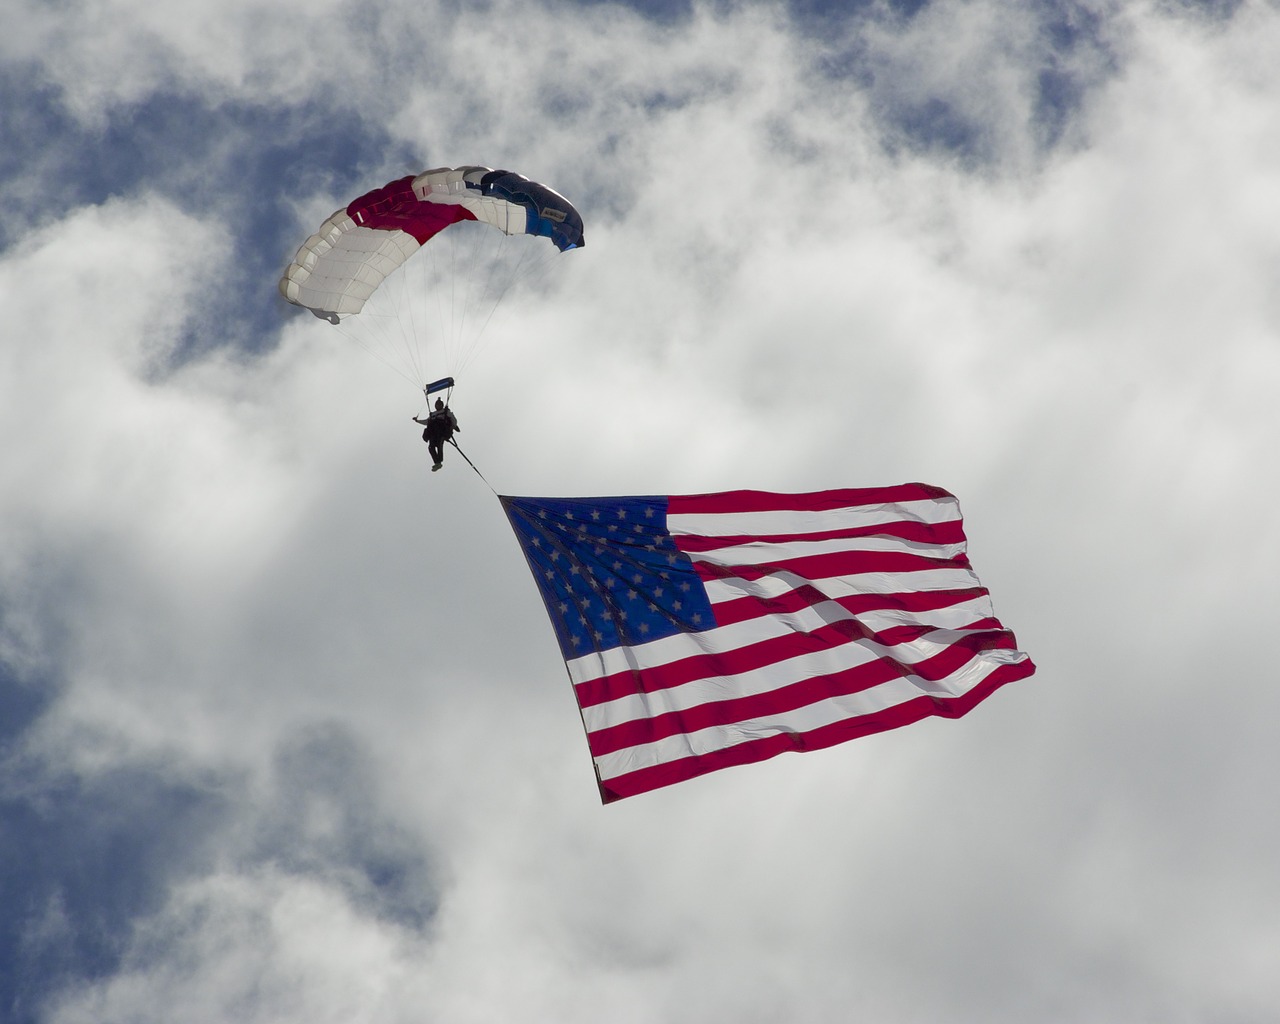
[440,425]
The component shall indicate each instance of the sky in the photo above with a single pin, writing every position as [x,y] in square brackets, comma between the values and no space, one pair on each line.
[284,731]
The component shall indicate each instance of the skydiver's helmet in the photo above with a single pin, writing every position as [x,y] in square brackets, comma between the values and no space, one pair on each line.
[439,404]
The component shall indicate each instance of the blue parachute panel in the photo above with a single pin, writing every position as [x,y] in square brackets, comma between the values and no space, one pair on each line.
[549,213]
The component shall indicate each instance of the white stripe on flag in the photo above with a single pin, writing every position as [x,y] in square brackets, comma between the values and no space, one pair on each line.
[711,689]
[756,552]
[657,653]
[802,720]
[732,524]
[783,582]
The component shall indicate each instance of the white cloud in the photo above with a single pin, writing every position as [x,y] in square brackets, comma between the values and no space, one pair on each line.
[254,947]
[1080,342]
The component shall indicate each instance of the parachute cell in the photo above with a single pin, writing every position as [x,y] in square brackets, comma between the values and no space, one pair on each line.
[339,267]
[413,272]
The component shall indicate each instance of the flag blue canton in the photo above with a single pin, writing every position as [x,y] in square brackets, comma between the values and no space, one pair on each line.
[609,571]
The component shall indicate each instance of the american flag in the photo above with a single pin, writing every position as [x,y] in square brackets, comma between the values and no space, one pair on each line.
[710,630]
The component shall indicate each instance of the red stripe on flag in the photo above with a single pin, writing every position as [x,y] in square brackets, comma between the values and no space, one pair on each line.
[949,532]
[748,658]
[728,502]
[789,697]
[806,596]
[841,563]
[658,776]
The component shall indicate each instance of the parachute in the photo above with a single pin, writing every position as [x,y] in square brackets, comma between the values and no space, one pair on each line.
[361,270]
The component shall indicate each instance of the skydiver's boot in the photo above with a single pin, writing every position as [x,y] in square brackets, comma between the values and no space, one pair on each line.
[436,466]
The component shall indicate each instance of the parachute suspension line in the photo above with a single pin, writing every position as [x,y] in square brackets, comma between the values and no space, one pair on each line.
[428,275]
[468,246]
[415,351]
[443,265]
[461,278]
[496,287]
[484,248]
[452,331]
[382,328]
[453,269]
[371,350]
[481,271]
[463,260]
[533,262]
[390,326]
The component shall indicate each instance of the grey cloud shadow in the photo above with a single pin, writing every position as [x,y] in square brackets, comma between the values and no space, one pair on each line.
[85,860]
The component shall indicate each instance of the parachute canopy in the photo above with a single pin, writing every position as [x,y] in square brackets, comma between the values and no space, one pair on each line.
[339,267]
